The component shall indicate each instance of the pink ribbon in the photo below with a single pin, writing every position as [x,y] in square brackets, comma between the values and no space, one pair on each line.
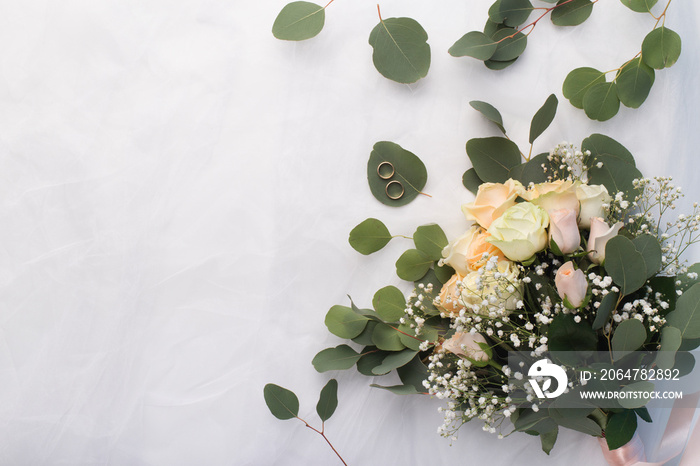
[674,440]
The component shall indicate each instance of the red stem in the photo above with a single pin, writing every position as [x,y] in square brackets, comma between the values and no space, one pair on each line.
[320,432]
[534,23]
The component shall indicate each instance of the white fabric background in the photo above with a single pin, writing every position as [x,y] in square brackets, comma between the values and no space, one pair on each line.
[177,189]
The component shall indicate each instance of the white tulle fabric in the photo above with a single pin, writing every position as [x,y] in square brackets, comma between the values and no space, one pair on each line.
[177,187]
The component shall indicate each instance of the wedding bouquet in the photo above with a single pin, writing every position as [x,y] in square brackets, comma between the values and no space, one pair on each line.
[568,262]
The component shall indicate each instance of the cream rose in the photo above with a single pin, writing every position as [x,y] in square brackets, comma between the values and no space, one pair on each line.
[601,232]
[471,251]
[492,199]
[591,197]
[520,232]
[449,297]
[563,229]
[495,290]
[571,284]
[466,345]
[559,194]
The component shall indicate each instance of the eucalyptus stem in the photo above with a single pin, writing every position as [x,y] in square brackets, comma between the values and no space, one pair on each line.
[534,23]
[322,434]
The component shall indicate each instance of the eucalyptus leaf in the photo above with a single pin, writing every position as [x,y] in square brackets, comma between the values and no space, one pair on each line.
[566,335]
[495,15]
[493,158]
[508,48]
[531,171]
[387,338]
[650,249]
[339,358]
[471,181]
[661,48]
[605,146]
[390,304]
[365,338]
[625,264]
[543,118]
[283,403]
[640,6]
[578,82]
[548,439]
[431,240]
[413,265]
[571,12]
[369,236]
[637,401]
[413,374]
[299,21]
[443,272]
[474,44]
[490,112]
[606,307]
[634,83]
[499,65]
[601,102]
[644,414]
[401,52]
[328,400]
[615,175]
[409,170]
[344,322]
[398,389]
[621,428]
[671,340]
[515,12]
[629,336]
[394,361]
[686,317]
[371,358]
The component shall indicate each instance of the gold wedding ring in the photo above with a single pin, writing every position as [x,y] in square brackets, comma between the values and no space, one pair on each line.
[394,196]
[385,175]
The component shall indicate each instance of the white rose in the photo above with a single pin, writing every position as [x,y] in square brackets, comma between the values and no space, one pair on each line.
[520,232]
[592,197]
[502,292]
[601,232]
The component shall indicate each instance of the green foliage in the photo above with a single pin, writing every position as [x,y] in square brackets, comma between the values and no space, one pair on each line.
[650,249]
[686,317]
[471,180]
[543,118]
[531,171]
[394,360]
[369,236]
[603,147]
[634,83]
[283,403]
[548,439]
[430,239]
[389,303]
[401,51]
[514,12]
[578,82]
[508,48]
[625,264]
[566,335]
[490,112]
[299,21]
[328,400]
[603,313]
[661,48]
[671,340]
[572,13]
[344,322]
[640,6]
[409,170]
[339,358]
[621,428]
[413,265]
[629,336]
[398,389]
[371,358]
[387,338]
[493,158]
[601,101]
[474,44]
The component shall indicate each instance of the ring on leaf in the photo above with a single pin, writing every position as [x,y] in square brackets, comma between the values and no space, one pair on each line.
[386,176]
[394,196]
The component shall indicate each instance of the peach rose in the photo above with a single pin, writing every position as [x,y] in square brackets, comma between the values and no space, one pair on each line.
[466,345]
[466,254]
[559,194]
[449,297]
[601,232]
[491,201]
[563,229]
[571,284]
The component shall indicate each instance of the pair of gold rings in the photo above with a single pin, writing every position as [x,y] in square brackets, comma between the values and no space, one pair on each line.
[386,170]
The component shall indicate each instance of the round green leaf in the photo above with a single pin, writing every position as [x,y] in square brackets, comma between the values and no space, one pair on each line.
[490,112]
[571,13]
[499,65]
[413,265]
[671,340]
[531,171]
[578,82]
[629,336]
[471,180]
[344,322]
[650,249]
[369,236]
[328,400]
[474,44]
[543,118]
[620,429]
[634,83]
[431,240]
[508,48]
[408,170]
[371,359]
[601,102]
[625,264]
[640,6]
[390,303]
[495,12]
[566,335]
[413,374]
[443,272]
[401,52]
[299,21]
[615,175]
[605,146]
[283,403]
[387,338]
[490,28]
[606,306]
[661,48]
[493,158]
[515,12]
[339,358]
[636,401]
[394,360]
[365,338]
[686,316]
